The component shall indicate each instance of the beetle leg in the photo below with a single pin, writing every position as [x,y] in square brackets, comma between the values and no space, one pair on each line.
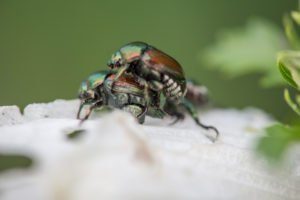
[141,116]
[89,111]
[108,89]
[146,94]
[154,109]
[121,71]
[152,99]
[156,86]
[178,118]
[82,104]
[171,109]
[193,113]
[137,111]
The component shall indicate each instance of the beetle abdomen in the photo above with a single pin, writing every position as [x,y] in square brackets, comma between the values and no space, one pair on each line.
[170,71]
[172,89]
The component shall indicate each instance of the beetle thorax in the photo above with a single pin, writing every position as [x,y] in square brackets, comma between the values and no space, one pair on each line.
[131,53]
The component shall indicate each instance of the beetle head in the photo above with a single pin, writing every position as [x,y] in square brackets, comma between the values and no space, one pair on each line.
[85,94]
[116,60]
[90,89]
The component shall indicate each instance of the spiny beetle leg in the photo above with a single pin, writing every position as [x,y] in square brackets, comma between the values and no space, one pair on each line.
[171,109]
[193,113]
[82,104]
[137,111]
[88,113]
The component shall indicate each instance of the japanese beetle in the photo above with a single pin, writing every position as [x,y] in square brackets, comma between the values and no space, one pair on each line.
[154,68]
[99,90]
[126,93]
[91,92]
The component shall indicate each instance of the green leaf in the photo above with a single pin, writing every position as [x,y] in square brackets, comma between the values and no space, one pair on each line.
[251,49]
[291,32]
[276,142]
[296,16]
[298,99]
[289,66]
[12,161]
[291,103]
[285,72]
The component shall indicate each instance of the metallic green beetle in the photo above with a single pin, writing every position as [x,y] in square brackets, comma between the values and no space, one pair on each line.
[154,68]
[126,93]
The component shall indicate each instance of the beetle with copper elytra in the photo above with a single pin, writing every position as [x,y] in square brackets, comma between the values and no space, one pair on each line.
[142,72]
[154,68]
[157,71]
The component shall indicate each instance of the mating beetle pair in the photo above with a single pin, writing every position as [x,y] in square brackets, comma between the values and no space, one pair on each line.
[143,81]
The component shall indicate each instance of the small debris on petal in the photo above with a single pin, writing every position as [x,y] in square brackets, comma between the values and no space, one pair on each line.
[75,134]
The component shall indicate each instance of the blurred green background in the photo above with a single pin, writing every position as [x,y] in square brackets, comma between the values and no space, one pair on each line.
[48,47]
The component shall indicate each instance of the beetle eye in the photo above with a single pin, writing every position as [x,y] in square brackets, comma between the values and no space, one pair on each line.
[118,64]
[85,95]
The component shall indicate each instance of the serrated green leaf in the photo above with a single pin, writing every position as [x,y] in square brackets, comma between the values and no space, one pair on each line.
[247,50]
[290,102]
[277,140]
[289,66]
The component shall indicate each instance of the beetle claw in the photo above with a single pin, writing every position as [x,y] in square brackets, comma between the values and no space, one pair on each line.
[177,119]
